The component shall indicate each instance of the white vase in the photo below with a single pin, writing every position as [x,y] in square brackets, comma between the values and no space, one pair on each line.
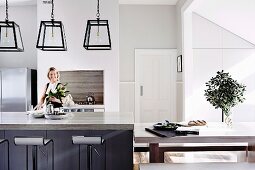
[228,119]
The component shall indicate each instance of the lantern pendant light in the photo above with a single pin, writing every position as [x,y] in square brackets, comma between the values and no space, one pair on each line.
[97,36]
[51,35]
[10,36]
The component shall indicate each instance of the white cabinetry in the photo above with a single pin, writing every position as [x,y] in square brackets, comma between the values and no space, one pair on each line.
[85,108]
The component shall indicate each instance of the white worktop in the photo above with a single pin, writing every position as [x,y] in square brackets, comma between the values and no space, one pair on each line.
[75,121]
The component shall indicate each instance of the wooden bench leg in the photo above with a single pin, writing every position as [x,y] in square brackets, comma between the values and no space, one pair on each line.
[155,155]
[161,156]
[154,152]
[251,152]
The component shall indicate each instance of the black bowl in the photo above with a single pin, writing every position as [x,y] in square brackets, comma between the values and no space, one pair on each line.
[169,126]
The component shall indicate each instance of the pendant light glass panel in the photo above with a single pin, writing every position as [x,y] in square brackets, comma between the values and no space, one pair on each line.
[10,36]
[51,36]
[97,36]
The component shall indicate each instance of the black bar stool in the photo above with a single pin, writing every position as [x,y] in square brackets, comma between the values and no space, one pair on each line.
[8,151]
[90,142]
[34,142]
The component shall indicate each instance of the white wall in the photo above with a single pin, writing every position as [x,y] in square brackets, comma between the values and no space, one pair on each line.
[187,52]
[217,49]
[179,6]
[26,18]
[236,16]
[179,75]
[142,26]
[74,16]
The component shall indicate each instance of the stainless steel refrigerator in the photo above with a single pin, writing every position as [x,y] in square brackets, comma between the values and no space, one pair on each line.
[18,89]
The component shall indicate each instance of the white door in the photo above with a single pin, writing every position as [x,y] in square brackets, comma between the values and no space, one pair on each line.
[155,71]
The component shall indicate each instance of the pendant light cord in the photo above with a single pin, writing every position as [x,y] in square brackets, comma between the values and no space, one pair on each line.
[6,10]
[52,10]
[98,13]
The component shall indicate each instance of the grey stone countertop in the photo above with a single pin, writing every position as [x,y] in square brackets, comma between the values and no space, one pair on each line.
[74,121]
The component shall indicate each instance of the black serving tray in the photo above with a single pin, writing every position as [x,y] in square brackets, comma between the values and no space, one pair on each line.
[171,133]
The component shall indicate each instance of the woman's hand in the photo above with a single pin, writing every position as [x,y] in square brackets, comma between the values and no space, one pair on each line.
[38,107]
[54,99]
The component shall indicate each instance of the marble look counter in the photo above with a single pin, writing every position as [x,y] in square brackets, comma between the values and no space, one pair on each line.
[75,121]
[116,152]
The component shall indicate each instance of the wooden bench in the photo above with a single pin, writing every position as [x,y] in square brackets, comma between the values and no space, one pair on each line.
[198,166]
[197,148]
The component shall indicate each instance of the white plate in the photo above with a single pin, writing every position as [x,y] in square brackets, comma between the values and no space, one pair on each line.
[36,113]
[56,117]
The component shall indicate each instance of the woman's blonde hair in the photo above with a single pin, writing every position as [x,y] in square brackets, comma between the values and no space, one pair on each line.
[53,69]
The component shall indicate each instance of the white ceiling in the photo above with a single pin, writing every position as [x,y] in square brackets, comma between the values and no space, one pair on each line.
[19,2]
[137,2]
[149,2]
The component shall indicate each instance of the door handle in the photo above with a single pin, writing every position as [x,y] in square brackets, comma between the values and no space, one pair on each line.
[141,90]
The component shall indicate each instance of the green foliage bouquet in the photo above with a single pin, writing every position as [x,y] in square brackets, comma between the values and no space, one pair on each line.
[59,92]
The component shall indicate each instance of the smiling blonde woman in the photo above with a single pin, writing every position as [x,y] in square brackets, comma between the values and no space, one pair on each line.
[53,76]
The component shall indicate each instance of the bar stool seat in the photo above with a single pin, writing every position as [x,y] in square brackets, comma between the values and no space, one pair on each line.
[31,141]
[90,142]
[8,151]
[34,142]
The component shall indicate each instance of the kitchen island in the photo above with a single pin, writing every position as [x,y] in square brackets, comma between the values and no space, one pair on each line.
[115,128]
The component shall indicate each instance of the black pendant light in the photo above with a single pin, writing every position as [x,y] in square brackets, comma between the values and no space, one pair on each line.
[10,36]
[97,36]
[51,35]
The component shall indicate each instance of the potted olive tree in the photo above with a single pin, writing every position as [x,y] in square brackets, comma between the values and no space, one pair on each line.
[224,92]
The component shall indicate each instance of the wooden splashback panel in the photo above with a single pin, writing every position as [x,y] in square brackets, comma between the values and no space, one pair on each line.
[82,82]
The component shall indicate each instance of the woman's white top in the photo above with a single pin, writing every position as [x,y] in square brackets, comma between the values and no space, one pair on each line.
[52,87]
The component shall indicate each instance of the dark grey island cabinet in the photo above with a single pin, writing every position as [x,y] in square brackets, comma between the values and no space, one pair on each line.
[2,151]
[116,152]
